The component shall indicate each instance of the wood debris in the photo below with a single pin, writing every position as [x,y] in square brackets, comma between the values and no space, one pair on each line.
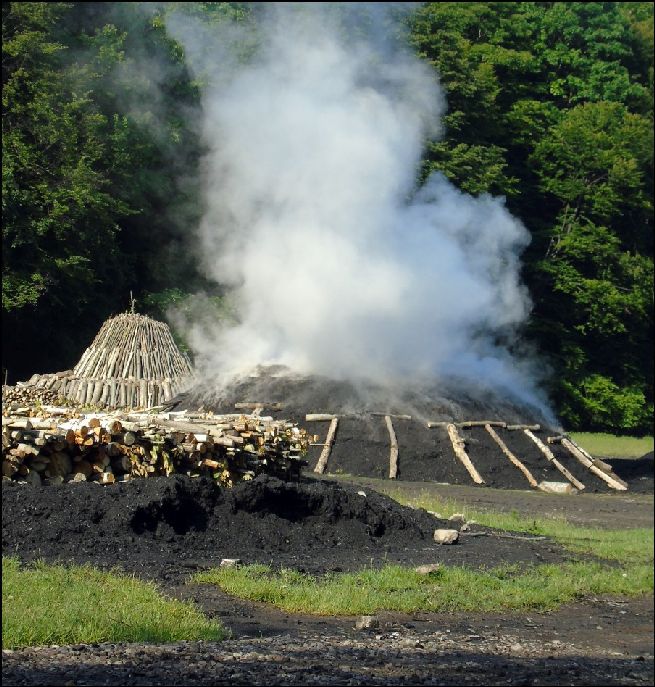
[49,448]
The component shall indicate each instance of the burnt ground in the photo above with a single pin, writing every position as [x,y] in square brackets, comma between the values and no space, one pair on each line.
[165,529]
[362,442]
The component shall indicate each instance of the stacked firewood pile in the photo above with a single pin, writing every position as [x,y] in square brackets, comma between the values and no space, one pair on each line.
[55,446]
[24,395]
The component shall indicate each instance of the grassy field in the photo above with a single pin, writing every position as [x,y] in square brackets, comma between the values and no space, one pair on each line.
[611,446]
[52,604]
[395,588]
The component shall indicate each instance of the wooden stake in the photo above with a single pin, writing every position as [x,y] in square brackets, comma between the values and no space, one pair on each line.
[325,453]
[551,458]
[398,417]
[613,480]
[481,423]
[460,452]
[513,459]
[393,455]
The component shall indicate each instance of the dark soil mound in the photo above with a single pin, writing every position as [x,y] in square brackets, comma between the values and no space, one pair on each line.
[164,528]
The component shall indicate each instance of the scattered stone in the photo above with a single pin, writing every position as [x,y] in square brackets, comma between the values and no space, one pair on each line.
[446,536]
[428,568]
[367,622]
[231,562]
[362,493]
[464,528]
[557,488]
[457,517]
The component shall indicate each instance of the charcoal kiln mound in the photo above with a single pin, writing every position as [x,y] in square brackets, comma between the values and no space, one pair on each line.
[415,433]
[165,528]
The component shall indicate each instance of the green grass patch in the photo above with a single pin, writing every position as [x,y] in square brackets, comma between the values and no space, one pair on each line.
[624,546]
[628,571]
[54,604]
[611,446]
[395,588]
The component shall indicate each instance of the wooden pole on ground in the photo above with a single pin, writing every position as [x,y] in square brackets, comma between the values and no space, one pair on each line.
[398,417]
[482,423]
[460,452]
[393,455]
[513,459]
[612,480]
[325,453]
[551,458]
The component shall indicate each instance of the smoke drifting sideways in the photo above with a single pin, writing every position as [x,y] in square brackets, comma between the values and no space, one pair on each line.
[337,265]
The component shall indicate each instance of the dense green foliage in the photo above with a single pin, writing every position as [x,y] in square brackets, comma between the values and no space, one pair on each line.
[549,104]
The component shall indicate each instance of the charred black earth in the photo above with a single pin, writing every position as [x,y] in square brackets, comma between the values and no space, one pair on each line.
[166,528]
[362,441]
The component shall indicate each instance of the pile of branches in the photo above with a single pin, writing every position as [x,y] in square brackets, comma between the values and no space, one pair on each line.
[55,446]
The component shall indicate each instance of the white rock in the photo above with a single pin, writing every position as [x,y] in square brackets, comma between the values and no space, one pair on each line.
[446,536]
[230,562]
[367,622]
[428,568]
[557,488]
[457,517]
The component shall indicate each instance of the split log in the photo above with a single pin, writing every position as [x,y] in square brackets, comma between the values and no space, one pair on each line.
[481,423]
[325,453]
[393,455]
[397,417]
[512,458]
[460,452]
[612,481]
[551,458]
[319,417]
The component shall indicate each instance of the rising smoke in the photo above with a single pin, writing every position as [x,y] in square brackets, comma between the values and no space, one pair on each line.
[338,266]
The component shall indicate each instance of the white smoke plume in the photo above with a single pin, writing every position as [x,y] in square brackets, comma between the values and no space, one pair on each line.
[337,266]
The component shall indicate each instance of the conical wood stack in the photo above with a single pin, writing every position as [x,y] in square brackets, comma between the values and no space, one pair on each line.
[133,362]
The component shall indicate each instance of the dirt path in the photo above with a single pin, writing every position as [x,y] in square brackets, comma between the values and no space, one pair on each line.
[599,642]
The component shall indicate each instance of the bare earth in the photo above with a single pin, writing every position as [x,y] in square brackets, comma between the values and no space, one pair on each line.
[604,641]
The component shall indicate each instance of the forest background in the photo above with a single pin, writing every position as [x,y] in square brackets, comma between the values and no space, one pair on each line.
[550,104]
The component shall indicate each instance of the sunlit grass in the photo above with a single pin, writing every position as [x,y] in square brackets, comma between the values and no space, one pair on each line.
[396,588]
[613,446]
[55,604]
[625,545]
